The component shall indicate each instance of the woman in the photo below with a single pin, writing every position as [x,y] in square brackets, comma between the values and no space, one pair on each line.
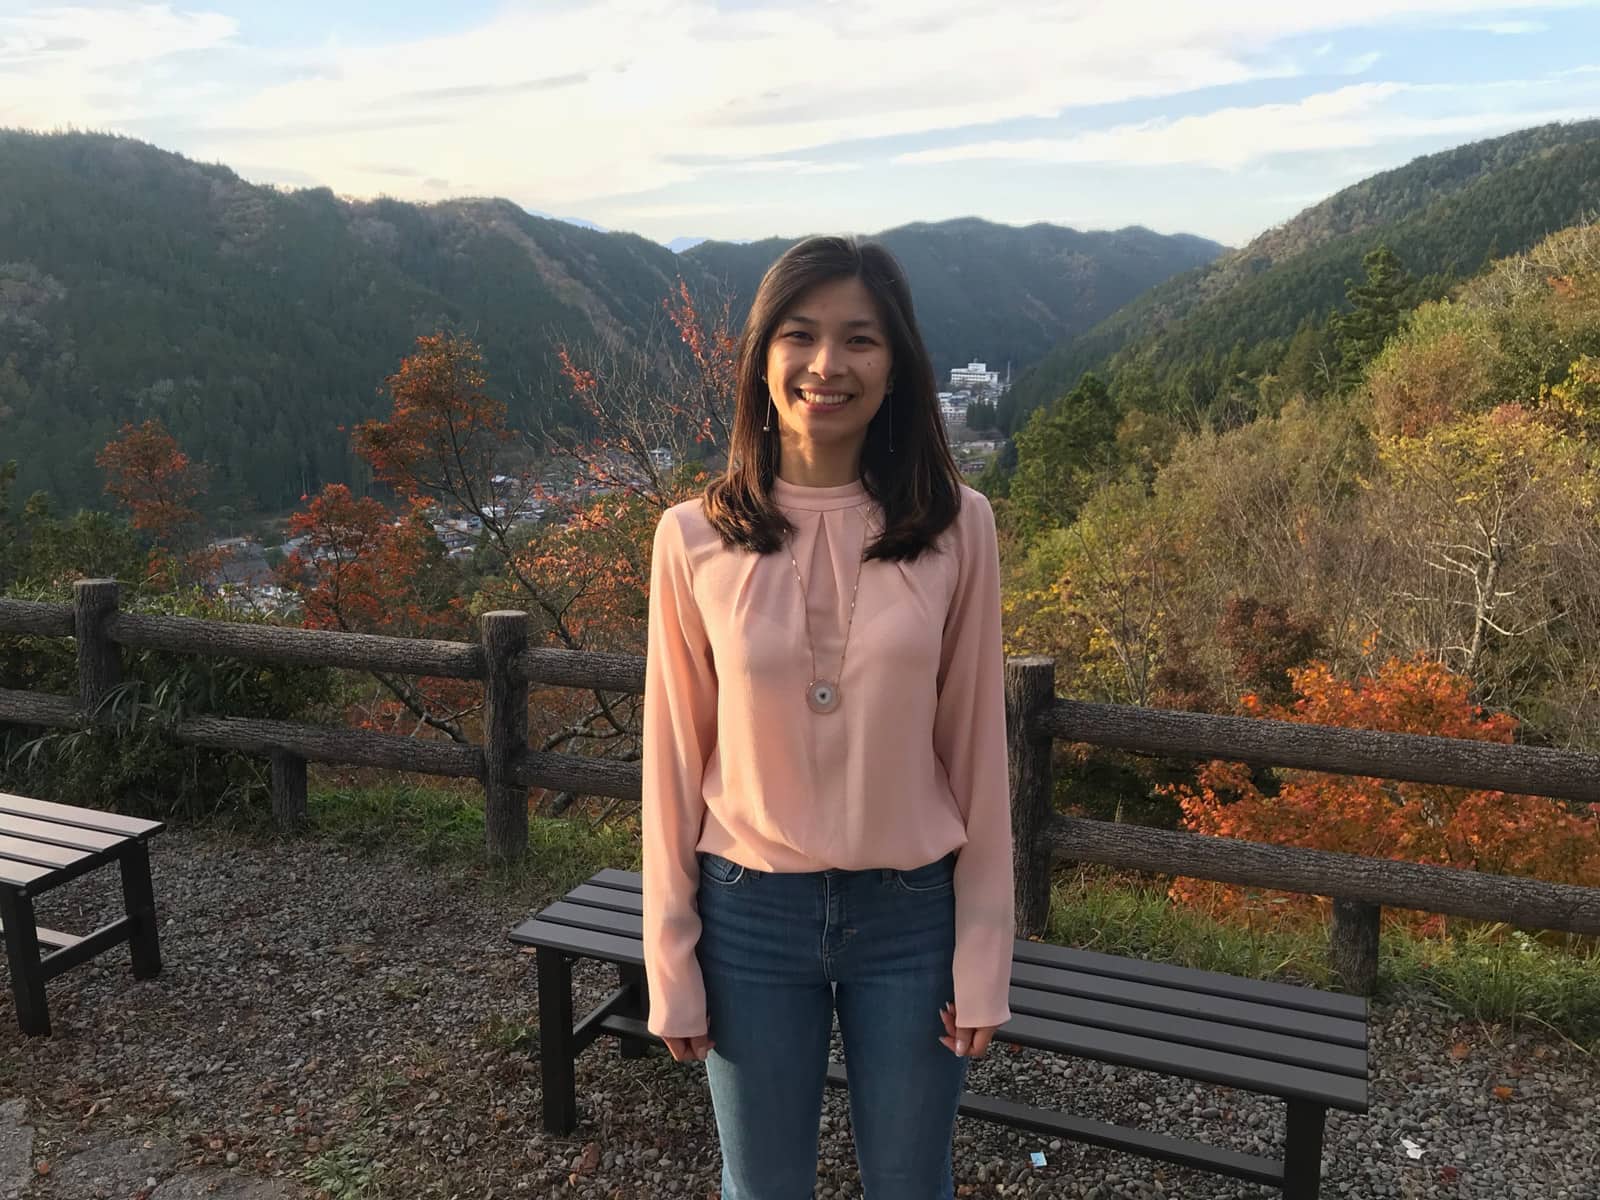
[825,811]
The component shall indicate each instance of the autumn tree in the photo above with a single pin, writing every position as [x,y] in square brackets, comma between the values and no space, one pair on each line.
[149,475]
[669,402]
[1266,644]
[359,569]
[576,558]
[1494,515]
[1426,823]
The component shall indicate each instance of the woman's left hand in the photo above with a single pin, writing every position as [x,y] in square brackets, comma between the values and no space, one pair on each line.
[971,1041]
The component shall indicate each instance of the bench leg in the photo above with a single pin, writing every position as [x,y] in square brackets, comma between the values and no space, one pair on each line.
[138,897]
[1302,1153]
[22,952]
[555,1041]
[632,976]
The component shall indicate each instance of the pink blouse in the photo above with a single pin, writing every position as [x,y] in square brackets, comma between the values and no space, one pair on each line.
[911,765]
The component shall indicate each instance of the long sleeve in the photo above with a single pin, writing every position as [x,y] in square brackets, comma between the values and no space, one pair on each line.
[680,725]
[969,736]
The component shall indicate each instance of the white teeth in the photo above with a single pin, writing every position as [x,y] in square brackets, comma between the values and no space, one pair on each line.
[822,401]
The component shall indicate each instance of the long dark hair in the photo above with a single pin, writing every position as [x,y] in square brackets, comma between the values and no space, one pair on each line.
[917,485]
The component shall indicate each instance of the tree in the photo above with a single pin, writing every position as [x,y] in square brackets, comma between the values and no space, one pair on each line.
[1458,827]
[1376,307]
[1494,515]
[581,569]
[1056,457]
[360,570]
[1267,644]
[148,473]
[981,415]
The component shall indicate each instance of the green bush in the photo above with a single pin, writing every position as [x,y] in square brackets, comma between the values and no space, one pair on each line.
[134,764]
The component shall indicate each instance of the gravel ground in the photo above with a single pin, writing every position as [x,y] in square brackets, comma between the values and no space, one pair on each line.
[359,1027]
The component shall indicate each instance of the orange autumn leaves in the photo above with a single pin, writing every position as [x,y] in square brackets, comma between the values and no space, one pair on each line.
[1485,830]
[148,473]
[445,432]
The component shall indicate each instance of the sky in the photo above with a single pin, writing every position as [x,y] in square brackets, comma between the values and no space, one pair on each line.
[744,119]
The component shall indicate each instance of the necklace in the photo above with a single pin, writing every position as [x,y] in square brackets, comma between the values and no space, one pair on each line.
[822,695]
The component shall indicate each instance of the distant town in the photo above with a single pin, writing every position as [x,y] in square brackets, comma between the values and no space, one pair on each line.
[246,579]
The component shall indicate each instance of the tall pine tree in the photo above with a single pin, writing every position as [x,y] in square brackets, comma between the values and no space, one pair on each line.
[1376,307]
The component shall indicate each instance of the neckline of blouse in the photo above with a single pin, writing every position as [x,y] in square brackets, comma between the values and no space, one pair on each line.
[819,499]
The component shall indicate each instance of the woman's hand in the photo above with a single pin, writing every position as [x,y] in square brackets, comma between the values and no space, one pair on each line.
[971,1041]
[685,1049]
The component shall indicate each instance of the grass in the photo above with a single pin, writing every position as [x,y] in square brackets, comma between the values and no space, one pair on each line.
[1487,973]
[444,827]
[1482,972]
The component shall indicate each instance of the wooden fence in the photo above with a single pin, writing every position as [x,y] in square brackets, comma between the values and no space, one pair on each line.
[1035,717]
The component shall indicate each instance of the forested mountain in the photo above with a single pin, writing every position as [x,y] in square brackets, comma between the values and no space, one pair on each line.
[995,292]
[1444,215]
[256,322]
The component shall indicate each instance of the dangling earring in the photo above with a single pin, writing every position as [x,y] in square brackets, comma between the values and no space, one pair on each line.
[771,404]
[888,395]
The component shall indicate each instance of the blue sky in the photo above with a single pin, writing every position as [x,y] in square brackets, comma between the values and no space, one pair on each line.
[752,118]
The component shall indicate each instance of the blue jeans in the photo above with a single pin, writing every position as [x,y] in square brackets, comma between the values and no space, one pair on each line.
[781,952]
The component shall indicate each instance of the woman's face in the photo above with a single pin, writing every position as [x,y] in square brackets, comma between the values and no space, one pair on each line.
[828,365]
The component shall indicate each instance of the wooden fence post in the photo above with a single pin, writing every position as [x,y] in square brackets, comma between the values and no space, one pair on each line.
[505,735]
[288,789]
[1353,944]
[94,602]
[1030,686]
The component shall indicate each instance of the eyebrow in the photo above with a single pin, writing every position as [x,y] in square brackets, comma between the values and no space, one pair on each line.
[857,323]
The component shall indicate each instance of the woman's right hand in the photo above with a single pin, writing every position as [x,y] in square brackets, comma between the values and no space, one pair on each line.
[684,1049]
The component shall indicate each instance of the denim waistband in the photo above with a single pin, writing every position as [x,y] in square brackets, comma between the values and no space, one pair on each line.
[834,872]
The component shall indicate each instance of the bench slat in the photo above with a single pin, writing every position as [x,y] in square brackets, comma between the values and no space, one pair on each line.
[20,874]
[85,818]
[616,899]
[56,834]
[587,916]
[1193,1062]
[50,938]
[580,941]
[1293,1022]
[40,853]
[1192,1031]
[1286,995]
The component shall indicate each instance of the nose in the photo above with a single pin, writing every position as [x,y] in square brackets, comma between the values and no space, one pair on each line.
[825,359]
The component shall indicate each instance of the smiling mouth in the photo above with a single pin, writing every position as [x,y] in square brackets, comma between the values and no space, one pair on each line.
[823,400]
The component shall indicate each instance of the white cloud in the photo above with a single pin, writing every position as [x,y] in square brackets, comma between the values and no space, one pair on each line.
[789,166]
[584,104]
[1351,117]
[1508,28]
[96,66]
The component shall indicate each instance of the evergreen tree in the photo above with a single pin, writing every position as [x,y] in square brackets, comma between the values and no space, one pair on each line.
[1057,453]
[1377,306]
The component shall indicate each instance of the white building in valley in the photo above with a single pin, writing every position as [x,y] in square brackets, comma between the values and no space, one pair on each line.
[975,377]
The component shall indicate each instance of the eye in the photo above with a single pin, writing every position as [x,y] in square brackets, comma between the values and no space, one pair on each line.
[796,333]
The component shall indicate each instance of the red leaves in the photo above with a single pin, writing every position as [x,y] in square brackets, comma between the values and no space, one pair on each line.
[1482,830]
[444,432]
[149,475]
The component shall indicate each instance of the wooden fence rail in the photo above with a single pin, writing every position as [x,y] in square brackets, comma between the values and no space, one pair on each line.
[1035,718]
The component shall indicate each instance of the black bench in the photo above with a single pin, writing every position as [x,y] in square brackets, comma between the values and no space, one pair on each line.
[42,845]
[1302,1045]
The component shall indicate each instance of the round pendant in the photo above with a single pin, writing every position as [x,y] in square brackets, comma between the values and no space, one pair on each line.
[823,696]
